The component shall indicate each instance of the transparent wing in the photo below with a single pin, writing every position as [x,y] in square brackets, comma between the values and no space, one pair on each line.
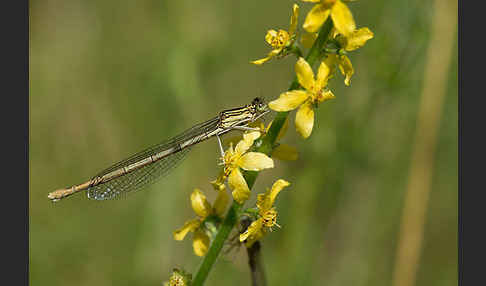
[192,132]
[148,174]
[137,179]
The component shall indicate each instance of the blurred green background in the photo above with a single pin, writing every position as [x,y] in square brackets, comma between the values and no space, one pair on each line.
[110,78]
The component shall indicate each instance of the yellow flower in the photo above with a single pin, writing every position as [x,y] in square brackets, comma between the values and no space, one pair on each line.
[356,39]
[267,215]
[281,39]
[238,158]
[344,65]
[345,31]
[340,14]
[179,278]
[203,209]
[307,99]
[351,42]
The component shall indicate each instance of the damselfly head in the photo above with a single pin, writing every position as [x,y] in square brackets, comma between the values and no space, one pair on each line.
[259,105]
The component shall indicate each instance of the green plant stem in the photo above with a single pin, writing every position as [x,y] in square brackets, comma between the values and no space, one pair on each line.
[265,145]
[229,222]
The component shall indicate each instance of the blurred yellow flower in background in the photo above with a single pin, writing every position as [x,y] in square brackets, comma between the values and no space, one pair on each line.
[307,99]
[266,212]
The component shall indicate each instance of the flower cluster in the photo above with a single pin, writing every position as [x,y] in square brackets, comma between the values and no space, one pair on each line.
[330,50]
[315,92]
[346,37]
[281,41]
[267,215]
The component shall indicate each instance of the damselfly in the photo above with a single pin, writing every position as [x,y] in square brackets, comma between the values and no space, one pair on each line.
[145,167]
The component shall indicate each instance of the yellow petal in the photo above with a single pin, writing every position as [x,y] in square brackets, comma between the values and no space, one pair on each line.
[272,54]
[243,146]
[236,180]
[237,183]
[282,39]
[200,204]
[255,161]
[200,243]
[304,120]
[294,19]
[312,1]
[256,237]
[304,73]
[357,39]
[260,61]
[308,39]
[241,195]
[252,230]
[246,142]
[346,69]
[325,96]
[218,183]
[221,202]
[323,74]
[276,188]
[316,17]
[262,201]
[288,100]
[285,152]
[266,200]
[190,225]
[342,18]
[271,36]
[251,136]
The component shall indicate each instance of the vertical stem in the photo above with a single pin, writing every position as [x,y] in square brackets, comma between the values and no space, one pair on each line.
[217,244]
[266,147]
